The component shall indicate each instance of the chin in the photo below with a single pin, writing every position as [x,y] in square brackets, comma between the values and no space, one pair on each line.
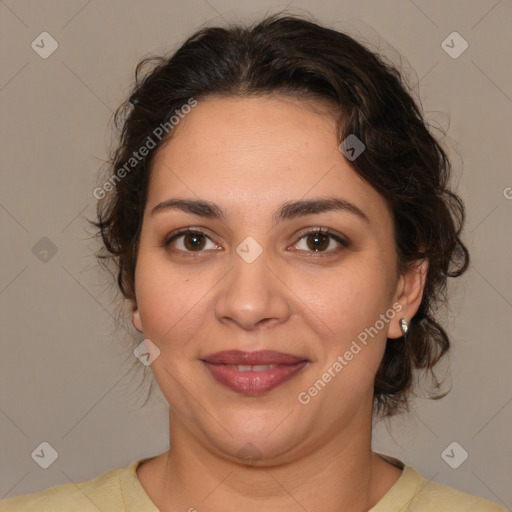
[262,450]
[250,435]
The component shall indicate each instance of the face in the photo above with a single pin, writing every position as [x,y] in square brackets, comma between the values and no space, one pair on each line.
[271,265]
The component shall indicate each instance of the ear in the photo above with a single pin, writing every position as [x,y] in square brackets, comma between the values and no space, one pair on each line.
[408,295]
[136,318]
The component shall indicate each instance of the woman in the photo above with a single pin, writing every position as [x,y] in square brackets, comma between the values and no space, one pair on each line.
[279,218]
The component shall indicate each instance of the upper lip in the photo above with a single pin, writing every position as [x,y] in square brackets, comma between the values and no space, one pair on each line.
[252,358]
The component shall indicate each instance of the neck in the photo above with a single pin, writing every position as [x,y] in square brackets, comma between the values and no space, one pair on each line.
[341,475]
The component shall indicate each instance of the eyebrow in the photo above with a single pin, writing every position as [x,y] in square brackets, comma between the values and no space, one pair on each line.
[287,211]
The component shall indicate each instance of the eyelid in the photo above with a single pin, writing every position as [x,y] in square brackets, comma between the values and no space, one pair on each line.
[325,231]
[182,231]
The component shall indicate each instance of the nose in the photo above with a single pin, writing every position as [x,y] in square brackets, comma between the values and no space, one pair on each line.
[252,294]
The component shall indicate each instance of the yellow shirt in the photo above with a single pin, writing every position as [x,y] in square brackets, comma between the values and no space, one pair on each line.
[120,490]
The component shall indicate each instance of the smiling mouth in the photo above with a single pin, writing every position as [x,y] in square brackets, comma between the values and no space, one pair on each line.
[253,373]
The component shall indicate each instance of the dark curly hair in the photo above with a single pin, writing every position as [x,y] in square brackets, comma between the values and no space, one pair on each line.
[402,159]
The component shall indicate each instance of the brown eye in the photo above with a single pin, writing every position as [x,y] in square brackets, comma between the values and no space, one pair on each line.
[189,241]
[193,241]
[318,241]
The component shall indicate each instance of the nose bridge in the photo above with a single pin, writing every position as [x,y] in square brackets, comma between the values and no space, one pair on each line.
[251,292]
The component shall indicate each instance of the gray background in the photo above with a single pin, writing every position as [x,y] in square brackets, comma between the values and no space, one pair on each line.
[65,370]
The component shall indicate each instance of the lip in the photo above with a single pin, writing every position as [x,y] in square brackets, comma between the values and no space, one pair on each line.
[222,366]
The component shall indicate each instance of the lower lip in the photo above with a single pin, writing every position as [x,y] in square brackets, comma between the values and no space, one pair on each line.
[252,382]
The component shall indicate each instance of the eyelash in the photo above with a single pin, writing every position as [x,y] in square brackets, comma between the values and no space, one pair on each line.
[313,254]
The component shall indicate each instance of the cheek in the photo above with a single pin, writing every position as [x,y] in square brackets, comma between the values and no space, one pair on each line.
[349,299]
[170,303]
[350,305]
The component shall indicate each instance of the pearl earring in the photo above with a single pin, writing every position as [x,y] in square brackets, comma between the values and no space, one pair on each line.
[404,325]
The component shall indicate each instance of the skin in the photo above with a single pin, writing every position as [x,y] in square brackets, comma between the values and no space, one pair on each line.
[249,156]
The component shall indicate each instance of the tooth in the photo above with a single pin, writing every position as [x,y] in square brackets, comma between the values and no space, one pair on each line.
[254,368]
[260,367]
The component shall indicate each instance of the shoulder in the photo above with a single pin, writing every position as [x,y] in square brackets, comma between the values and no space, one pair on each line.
[421,495]
[413,493]
[439,497]
[101,493]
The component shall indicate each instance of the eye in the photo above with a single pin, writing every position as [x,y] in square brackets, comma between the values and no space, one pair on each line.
[316,241]
[321,240]
[192,241]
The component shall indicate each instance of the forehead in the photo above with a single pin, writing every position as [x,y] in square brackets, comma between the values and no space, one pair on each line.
[220,126]
[250,151]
